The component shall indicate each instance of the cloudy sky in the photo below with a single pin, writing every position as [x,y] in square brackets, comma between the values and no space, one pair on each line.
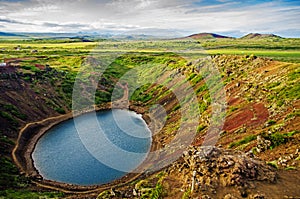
[233,18]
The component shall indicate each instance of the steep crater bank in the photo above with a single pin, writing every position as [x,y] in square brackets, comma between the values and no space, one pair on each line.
[268,112]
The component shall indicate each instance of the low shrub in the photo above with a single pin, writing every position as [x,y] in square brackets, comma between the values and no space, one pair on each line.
[200,128]
[60,110]
[243,141]
[273,164]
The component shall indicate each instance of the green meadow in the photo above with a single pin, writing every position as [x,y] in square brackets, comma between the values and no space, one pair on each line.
[280,49]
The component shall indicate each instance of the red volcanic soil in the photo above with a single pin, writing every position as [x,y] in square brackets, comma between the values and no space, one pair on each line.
[234,101]
[9,60]
[250,115]
[39,66]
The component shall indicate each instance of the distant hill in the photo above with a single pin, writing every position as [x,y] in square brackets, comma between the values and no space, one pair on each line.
[259,36]
[206,36]
[7,34]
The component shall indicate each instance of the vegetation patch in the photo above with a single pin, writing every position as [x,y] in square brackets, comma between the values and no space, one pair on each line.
[295,113]
[278,139]
[243,141]
[9,175]
[60,110]
[273,164]
[200,128]
[25,194]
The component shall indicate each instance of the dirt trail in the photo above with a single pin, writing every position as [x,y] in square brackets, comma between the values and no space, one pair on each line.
[17,146]
[122,103]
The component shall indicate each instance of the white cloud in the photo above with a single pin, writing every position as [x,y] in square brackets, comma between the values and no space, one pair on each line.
[123,15]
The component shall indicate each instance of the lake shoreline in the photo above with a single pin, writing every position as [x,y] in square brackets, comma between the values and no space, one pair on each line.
[32,132]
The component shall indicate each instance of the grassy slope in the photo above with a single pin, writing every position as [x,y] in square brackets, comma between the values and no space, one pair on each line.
[276,48]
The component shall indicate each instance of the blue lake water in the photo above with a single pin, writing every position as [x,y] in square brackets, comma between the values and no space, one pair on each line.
[124,141]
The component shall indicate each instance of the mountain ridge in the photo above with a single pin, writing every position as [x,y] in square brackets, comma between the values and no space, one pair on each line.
[259,36]
[138,35]
[9,34]
[207,36]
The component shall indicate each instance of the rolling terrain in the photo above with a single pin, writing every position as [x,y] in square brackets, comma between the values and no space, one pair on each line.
[260,74]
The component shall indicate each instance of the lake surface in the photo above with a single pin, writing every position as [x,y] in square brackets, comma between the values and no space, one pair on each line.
[93,148]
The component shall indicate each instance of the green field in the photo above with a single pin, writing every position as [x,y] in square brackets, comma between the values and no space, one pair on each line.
[278,49]
[280,55]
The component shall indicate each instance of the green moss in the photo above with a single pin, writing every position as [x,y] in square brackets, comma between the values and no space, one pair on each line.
[9,117]
[271,122]
[104,195]
[200,128]
[102,96]
[243,141]
[196,79]
[295,113]
[176,107]
[202,88]
[191,76]
[9,175]
[25,194]
[232,109]
[273,164]
[4,139]
[277,139]
[60,110]
[292,133]
[290,168]
[157,192]
[273,85]
[295,75]
[13,110]
[187,194]
[254,150]
[141,94]
[202,107]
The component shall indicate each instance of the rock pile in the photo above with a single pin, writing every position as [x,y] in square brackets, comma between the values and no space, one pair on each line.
[205,169]
[289,161]
[262,144]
